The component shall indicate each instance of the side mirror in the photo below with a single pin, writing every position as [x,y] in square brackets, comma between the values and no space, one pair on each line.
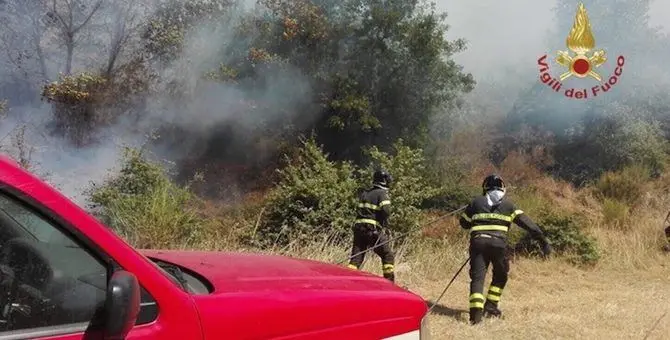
[121,305]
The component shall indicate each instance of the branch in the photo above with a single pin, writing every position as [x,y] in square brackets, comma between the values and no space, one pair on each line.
[58,16]
[88,18]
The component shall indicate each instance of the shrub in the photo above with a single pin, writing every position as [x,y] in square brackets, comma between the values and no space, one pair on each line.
[142,205]
[314,196]
[411,184]
[615,213]
[632,140]
[76,99]
[453,190]
[566,237]
[563,229]
[626,186]
[610,139]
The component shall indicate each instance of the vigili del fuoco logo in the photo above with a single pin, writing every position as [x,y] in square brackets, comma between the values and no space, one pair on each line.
[581,64]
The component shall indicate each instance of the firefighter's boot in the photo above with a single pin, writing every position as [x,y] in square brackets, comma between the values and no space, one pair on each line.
[476,315]
[666,248]
[491,309]
[390,276]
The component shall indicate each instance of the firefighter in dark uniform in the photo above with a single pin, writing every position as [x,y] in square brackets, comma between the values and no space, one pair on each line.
[374,209]
[488,218]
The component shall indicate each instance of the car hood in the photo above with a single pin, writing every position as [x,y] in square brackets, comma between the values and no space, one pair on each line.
[271,296]
[245,272]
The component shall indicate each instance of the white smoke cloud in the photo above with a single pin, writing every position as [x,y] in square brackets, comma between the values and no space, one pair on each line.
[204,106]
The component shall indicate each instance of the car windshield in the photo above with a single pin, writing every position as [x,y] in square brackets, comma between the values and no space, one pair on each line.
[167,270]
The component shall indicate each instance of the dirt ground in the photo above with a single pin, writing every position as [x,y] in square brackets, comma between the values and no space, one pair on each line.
[553,300]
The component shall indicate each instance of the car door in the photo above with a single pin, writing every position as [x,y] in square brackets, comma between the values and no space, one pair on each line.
[52,285]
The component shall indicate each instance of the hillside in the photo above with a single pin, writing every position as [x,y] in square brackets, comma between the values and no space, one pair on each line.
[608,263]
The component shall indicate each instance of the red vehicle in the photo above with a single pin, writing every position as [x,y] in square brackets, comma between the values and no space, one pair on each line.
[64,275]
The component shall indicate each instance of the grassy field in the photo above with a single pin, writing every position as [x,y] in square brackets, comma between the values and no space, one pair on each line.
[553,301]
[545,299]
[615,287]
[625,296]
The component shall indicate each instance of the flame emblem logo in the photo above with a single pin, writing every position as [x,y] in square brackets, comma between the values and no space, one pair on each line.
[580,41]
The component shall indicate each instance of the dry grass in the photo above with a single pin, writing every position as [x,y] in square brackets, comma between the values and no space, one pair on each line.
[622,297]
[552,300]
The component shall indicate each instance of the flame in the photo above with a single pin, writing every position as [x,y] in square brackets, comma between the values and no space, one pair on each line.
[580,40]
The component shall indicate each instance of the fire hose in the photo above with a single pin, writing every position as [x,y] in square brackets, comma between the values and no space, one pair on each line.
[377,245]
[444,291]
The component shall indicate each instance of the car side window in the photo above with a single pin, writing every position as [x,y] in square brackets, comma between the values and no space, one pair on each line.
[47,278]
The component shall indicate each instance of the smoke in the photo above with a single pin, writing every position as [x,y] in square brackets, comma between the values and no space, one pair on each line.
[200,106]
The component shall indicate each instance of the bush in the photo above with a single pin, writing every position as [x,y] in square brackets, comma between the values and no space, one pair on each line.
[453,189]
[615,213]
[626,186]
[411,186]
[143,206]
[314,196]
[76,100]
[619,136]
[563,229]
[566,237]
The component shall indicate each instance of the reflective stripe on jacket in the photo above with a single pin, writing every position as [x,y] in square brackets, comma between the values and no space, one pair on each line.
[481,218]
[374,207]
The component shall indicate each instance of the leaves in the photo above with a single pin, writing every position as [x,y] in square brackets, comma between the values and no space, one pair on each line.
[72,89]
[316,197]
[145,207]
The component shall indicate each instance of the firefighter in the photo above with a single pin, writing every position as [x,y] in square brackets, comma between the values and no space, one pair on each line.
[374,209]
[488,218]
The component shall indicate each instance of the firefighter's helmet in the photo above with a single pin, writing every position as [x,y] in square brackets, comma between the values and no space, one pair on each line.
[493,182]
[382,177]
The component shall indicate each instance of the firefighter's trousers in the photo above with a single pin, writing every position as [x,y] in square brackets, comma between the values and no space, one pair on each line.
[367,236]
[667,234]
[485,250]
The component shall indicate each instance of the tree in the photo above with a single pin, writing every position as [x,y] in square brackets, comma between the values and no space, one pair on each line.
[382,67]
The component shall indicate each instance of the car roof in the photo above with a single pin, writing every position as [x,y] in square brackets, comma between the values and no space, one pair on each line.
[12,174]
[5,159]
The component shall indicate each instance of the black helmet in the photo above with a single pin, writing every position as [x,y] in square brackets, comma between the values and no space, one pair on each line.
[382,177]
[492,182]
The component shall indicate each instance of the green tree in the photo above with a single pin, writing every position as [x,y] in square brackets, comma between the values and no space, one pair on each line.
[382,69]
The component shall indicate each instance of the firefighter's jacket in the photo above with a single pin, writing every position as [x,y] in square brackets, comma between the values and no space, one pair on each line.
[374,207]
[481,218]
